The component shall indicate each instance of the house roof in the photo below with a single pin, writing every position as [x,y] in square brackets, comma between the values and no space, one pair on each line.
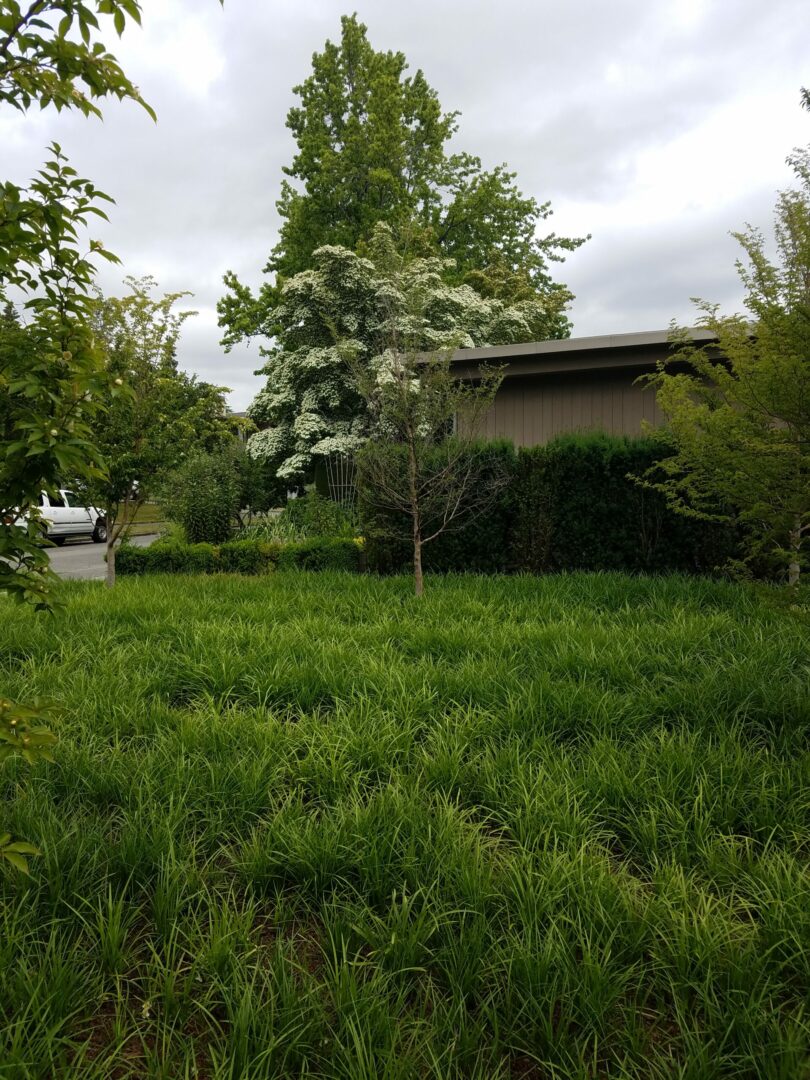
[605,351]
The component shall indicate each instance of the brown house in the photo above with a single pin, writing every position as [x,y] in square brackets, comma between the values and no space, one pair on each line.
[575,384]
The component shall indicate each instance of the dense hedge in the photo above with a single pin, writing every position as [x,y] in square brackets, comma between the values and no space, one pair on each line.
[480,544]
[238,556]
[570,504]
[321,553]
[576,507]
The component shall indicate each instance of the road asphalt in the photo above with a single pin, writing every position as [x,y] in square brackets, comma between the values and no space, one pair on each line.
[82,558]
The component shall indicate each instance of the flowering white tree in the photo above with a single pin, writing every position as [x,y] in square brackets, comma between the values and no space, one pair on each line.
[349,305]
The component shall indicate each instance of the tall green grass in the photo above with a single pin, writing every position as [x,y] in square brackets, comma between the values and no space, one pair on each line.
[305,825]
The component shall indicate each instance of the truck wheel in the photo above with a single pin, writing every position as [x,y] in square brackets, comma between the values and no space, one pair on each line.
[58,540]
[100,533]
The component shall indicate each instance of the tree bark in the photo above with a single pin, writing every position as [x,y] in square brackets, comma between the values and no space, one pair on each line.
[794,566]
[418,581]
[110,579]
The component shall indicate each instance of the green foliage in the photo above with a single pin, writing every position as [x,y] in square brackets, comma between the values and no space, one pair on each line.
[569,505]
[22,732]
[202,496]
[156,415]
[477,543]
[372,150]
[50,54]
[576,506]
[741,424]
[213,492]
[440,481]
[321,553]
[162,414]
[52,378]
[251,556]
[335,322]
[301,827]
[51,375]
[167,557]
[248,556]
[16,852]
[372,146]
[314,515]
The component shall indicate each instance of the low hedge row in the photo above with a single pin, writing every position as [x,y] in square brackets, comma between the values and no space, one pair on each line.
[238,557]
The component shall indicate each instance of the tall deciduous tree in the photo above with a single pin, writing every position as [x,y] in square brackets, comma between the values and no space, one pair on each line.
[311,406]
[372,146]
[155,414]
[742,427]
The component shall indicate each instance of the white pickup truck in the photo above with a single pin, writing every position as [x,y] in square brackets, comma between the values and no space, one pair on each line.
[63,515]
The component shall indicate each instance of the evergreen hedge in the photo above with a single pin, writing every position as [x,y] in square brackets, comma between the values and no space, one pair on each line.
[571,504]
[576,507]
[480,544]
[238,556]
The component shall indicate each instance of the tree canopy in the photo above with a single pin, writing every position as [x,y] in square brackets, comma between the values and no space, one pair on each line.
[310,406]
[155,414]
[373,146]
[742,424]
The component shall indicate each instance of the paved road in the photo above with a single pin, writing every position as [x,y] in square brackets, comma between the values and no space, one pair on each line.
[82,558]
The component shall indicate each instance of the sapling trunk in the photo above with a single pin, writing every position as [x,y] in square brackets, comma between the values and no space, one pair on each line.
[110,579]
[794,566]
[418,580]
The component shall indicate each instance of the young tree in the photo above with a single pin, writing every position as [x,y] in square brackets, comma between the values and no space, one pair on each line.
[311,407]
[742,424]
[155,414]
[421,464]
[421,478]
[372,146]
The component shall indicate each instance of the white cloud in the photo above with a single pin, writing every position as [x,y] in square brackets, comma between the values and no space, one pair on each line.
[657,126]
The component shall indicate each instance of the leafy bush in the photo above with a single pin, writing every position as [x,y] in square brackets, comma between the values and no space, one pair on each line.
[321,553]
[313,515]
[202,495]
[248,556]
[167,557]
[239,556]
[130,559]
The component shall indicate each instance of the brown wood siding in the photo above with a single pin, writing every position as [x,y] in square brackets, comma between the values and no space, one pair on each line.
[530,410]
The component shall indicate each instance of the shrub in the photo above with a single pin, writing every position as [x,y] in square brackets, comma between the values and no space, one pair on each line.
[321,553]
[313,515]
[248,556]
[239,556]
[131,560]
[202,495]
[571,504]
[171,557]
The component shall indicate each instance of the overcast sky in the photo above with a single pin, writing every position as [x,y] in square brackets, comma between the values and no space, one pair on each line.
[655,125]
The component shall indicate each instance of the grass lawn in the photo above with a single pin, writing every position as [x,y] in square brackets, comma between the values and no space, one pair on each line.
[302,825]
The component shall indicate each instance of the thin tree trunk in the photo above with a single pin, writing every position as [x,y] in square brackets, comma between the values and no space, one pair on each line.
[110,560]
[418,581]
[794,566]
